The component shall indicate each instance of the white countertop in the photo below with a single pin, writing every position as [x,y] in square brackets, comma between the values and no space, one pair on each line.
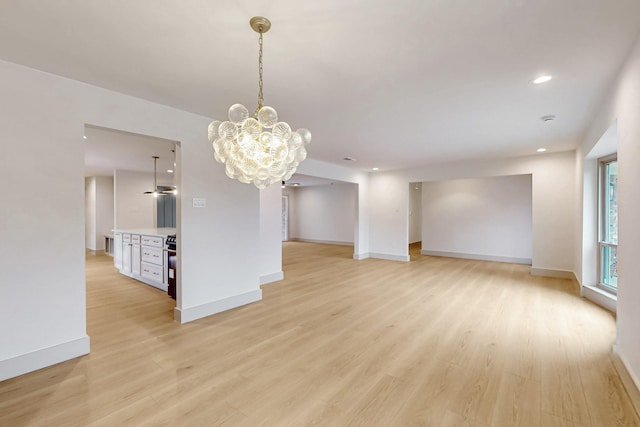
[164,232]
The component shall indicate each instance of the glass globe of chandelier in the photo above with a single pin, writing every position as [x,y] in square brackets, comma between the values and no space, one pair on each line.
[261,149]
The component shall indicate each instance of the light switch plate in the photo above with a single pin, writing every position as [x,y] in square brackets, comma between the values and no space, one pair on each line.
[199,203]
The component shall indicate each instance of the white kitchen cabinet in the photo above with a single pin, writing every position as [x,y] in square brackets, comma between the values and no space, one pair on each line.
[152,272]
[142,255]
[126,253]
[152,255]
[153,241]
[135,254]
[117,250]
[153,262]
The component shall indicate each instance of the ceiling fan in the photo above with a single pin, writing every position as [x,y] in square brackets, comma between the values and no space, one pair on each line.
[162,190]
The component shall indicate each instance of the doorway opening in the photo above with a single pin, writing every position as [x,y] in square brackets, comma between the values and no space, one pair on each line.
[415,220]
[320,210]
[285,218]
[130,211]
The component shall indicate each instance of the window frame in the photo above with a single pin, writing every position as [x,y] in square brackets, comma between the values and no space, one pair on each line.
[603,189]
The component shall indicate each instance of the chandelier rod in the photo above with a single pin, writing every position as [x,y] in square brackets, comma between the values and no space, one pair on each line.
[260,82]
[260,25]
[155,182]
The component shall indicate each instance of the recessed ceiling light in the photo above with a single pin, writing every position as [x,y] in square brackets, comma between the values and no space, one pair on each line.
[84,136]
[170,170]
[542,79]
[296,184]
[376,169]
[349,159]
[541,150]
[548,118]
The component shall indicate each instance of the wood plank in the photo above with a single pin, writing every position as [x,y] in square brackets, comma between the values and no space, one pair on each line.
[608,401]
[436,341]
[517,402]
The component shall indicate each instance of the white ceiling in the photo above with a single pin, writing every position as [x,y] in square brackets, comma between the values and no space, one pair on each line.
[392,84]
[106,150]
[309,181]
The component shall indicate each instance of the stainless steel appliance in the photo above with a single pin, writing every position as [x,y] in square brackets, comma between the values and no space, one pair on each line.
[171,248]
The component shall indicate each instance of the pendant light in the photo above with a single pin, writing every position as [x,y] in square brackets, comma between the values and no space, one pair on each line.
[157,191]
[261,149]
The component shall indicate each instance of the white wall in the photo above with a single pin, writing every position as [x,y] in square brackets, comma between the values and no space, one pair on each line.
[292,195]
[415,212]
[587,267]
[290,192]
[270,234]
[99,212]
[133,208]
[104,209]
[388,216]
[553,205]
[483,218]
[324,213]
[330,171]
[90,213]
[623,104]
[43,310]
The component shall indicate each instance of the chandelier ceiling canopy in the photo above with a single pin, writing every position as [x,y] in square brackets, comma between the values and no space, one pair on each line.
[258,149]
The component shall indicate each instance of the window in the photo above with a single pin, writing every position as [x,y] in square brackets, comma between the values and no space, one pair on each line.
[608,223]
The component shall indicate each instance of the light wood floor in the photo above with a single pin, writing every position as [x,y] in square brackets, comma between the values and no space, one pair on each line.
[437,341]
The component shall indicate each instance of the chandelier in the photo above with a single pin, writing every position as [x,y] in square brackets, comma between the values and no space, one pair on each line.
[259,149]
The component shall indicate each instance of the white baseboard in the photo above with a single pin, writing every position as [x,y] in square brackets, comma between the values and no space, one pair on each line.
[324,242]
[600,297]
[270,278]
[193,313]
[362,256]
[546,272]
[480,257]
[628,378]
[390,257]
[95,251]
[42,358]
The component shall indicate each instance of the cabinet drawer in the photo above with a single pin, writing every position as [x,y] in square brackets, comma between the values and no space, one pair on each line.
[135,238]
[151,255]
[126,238]
[156,242]
[152,272]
